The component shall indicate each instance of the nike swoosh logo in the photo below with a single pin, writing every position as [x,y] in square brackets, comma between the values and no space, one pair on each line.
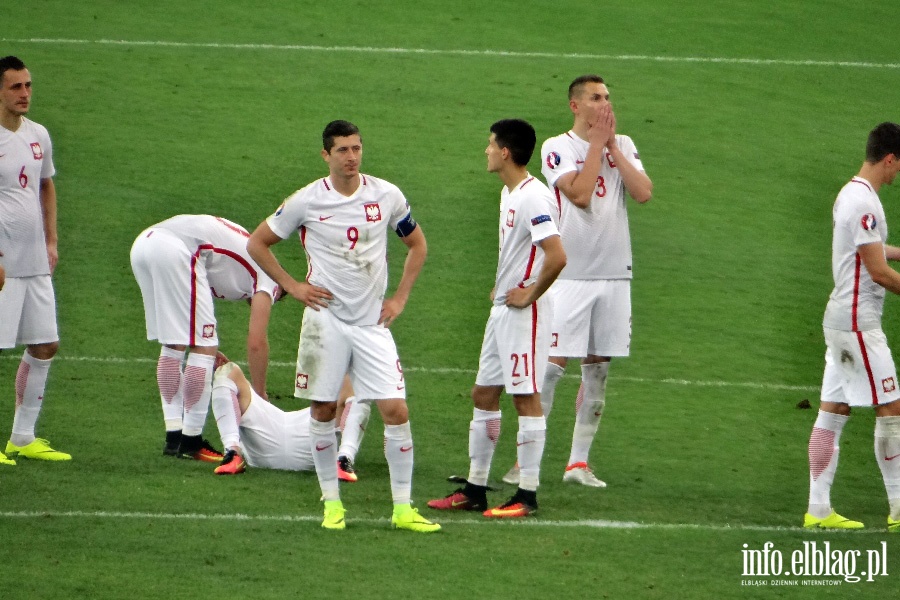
[401,387]
[579,162]
[325,218]
[460,503]
[515,383]
[407,449]
[523,443]
[891,457]
[320,447]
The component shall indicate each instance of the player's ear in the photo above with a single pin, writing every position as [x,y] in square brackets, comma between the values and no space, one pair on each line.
[324,154]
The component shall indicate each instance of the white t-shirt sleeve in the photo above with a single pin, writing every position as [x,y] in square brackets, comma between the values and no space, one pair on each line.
[289,216]
[557,160]
[541,222]
[399,207]
[47,168]
[863,222]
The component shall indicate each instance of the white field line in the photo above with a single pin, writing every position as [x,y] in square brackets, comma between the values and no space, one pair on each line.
[777,387]
[462,52]
[586,523]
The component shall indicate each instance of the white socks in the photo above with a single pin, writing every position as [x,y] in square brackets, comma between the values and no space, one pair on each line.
[227,411]
[31,381]
[323,442]
[168,378]
[823,460]
[197,386]
[353,426]
[552,376]
[398,450]
[887,453]
[483,433]
[529,449]
[588,410]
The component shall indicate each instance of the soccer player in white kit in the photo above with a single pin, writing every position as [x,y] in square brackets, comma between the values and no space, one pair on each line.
[516,338]
[181,264]
[343,221]
[28,256]
[590,168]
[859,368]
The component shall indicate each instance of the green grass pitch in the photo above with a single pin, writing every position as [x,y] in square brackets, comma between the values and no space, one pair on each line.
[749,118]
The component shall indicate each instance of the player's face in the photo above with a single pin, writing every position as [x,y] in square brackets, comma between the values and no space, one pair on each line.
[588,103]
[345,156]
[15,92]
[893,169]
[494,155]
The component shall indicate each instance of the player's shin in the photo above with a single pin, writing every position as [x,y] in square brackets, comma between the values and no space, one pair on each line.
[588,410]
[398,450]
[227,411]
[823,460]
[31,380]
[171,393]
[887,453]
[355,420]
[197,391]
[483,433]
[548,390]
[529,450]
[323,441]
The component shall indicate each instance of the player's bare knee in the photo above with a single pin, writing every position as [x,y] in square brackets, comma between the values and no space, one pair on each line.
[228,371]
[43,351]
[394,411]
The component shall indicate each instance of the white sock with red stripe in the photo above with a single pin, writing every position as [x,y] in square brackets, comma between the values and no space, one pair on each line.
[588,409]
[529,450]
[548,390]
[31,381]
[197,386]
[823,461]
[483,433]
[171,394]
[227,411]
[353,426]
[887,453]
[398,450]
[323,443]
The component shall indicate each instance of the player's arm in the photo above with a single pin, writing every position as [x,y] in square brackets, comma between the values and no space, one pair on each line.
[891,252]
[258,340]
[578,186]
[873,258]
[554,261]
[415,260]
[637,183]
[259,246]
[48,208]
[2,275]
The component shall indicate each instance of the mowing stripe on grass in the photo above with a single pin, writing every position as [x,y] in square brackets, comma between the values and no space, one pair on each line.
[452,52]
[778,387]
[587,523]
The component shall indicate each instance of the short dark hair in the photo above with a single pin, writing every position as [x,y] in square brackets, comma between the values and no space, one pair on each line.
[337,129]
[883,140]
[10,63]
[517,136]
[576,86]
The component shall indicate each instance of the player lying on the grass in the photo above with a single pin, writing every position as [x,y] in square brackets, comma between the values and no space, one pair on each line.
[255,432]
[352,427]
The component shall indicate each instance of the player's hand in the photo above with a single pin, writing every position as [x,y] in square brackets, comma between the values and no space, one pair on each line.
[312,296]
[221,359]
[52,256]
[519,297]
[603,127]
[390,310]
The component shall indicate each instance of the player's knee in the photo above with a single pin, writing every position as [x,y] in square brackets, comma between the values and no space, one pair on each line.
[44,351]
[227,371]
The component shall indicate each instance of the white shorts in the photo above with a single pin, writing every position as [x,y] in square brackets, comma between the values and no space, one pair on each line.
[329,348]
[178,305]
[859,369]
[27,311]
[515,347]
[275,439]
[591,317]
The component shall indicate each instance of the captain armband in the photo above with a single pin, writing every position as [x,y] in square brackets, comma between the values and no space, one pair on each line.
[406,226]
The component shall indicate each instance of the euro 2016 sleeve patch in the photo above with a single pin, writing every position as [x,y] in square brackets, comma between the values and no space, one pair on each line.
[868,222]
[553,160]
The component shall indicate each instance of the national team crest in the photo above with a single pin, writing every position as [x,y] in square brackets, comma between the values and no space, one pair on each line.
[554,343]
[302,381]
[510,218]
[553,160]
[36,150]
[209,330]
[888,384]
[373,212]
[868,222]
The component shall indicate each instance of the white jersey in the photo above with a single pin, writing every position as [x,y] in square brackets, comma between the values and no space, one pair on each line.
[26,157]
[596,238]
[527,216]
[856,303]
[345,238]
[222,246]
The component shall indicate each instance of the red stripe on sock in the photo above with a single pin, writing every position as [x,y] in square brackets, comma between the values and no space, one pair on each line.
[821,450]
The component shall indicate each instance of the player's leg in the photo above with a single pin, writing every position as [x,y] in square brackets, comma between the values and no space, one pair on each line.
[824,441]
[230,398]
[198,372]
[37,330]
[323,357]
[354,420]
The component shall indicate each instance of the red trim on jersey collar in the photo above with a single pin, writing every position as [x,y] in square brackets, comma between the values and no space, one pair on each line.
[862,181]
[233,226]
[569,133]
[325,183]
[526,182]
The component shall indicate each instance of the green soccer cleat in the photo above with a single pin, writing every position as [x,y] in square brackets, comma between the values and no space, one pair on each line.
[39,449]
[407,517]
[893,526]
[6,461]
[334,515]
[832,521]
